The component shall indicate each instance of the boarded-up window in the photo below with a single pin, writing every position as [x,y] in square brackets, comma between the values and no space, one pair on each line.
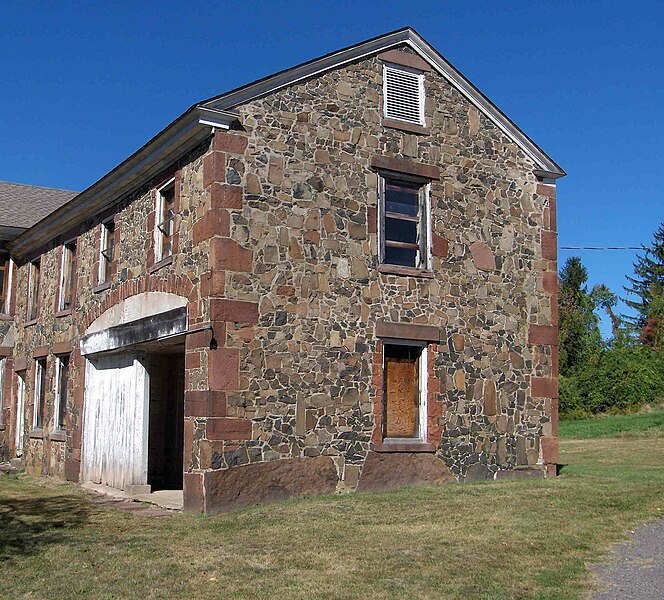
[40,394]
[33,290]
[106,251]
[62,376]
[68,276]
[402,391]
[165,221]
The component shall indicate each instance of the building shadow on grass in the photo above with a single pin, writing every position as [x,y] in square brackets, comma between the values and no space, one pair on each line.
[28,525]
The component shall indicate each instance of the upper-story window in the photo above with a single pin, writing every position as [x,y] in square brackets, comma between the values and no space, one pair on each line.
[403,94]
[404,226]
[4,285]
[165,218]
[67,276]
[106,251]
[34,277]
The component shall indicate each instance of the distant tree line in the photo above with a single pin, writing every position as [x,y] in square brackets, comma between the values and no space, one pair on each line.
[627,371]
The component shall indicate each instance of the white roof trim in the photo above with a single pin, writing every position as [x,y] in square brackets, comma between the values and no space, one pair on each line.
[544,164]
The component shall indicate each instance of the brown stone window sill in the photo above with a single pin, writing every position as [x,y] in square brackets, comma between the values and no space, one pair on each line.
[31,322]
[408,271]
[64,313]
[2,427]
[59,435]
[162,263]
[408,127]
[6,317]
[404,446]
[102,287]
[37,434]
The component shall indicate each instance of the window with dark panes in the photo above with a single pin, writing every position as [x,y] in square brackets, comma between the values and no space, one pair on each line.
[33,290]
[404,222]
[68,276]
[165,221]
[106,251]
[40,394]
[403,410]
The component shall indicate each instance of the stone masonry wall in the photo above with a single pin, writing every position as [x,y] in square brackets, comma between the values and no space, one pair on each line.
[277,252]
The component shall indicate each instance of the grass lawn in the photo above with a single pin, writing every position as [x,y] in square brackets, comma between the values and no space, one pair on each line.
[508,539]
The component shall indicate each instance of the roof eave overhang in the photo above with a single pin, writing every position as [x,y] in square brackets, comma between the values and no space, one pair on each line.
[544,166]
[181,136]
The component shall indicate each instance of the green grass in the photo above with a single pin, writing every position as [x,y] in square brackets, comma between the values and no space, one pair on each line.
[614,426]
[500,540]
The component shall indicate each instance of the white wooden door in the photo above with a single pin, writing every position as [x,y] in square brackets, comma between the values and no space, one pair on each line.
[115,421]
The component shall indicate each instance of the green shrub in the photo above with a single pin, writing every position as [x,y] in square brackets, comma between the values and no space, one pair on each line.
[619,380]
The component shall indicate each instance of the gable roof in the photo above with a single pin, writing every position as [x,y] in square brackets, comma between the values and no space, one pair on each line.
[408,36]
[196,124]
[21,206]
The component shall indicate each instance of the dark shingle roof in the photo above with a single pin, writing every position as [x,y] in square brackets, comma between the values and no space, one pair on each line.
[24,205]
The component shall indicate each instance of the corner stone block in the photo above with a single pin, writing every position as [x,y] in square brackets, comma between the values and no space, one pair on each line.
[550,282]
[550,450]
[546,335]
[482,256]
[228,429]
[225,196]
[224,369]
[204,403]
[214,168]
[234,310]
[230,142]
[228,255]
[549,245]
[544,387]
[214,222]
[193,492]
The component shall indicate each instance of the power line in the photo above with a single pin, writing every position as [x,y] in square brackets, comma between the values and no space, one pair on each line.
[600,247]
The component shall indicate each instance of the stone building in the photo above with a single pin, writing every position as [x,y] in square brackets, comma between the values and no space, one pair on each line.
[339,277]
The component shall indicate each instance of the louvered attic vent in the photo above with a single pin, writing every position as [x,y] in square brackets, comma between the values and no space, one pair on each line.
[404,94]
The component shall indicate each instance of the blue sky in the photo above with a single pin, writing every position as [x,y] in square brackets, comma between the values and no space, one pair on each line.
[86,84]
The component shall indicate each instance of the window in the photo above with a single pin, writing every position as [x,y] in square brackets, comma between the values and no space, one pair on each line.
[404,208]
[33,291]
[165,221]
[106,251]
[20,412]
[2,389]
[403,94]
[405,374]
[68,276]
[61,383]
[40,394]
[4,285]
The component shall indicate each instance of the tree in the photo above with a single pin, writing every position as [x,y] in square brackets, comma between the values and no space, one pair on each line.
[648,287]
[579,325]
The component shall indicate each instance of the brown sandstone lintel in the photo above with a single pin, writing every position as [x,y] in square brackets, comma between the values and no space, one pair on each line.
[405,59]
[404,126]
[400,165]
[5,351]
[63,347]
[40,352]
[409,331]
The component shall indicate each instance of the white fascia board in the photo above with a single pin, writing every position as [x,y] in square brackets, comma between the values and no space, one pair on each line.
[180,136]
[544,165]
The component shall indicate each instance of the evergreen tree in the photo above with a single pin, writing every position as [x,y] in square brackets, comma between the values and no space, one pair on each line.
[579,325]
[648,287]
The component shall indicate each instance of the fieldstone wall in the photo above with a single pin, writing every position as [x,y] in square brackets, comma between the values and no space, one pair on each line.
[277,252]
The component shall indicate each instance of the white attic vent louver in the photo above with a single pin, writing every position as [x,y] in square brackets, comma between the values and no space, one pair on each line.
[403,93]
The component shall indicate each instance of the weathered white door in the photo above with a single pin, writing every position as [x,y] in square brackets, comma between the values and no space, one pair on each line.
[20,414]
[115,421]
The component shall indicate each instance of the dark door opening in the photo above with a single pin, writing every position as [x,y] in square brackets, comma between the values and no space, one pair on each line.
[166,426]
